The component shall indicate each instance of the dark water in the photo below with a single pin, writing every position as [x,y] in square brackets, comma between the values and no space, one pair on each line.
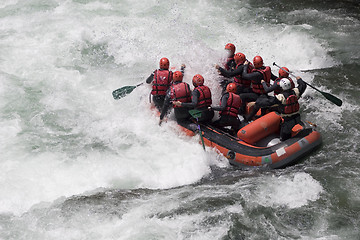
[82,161]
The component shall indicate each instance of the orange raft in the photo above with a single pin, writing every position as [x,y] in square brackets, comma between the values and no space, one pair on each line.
[258,145]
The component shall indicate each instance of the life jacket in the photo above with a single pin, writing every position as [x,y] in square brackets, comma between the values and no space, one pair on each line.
[180,92]
[278,90]
[230,62]
[204,99]
[232,105]
[161,83]
[257,87]
[243,82]
[290,104]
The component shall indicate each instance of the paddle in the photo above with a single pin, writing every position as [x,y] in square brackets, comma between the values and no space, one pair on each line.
[328,96]
[122,92]
[197,114]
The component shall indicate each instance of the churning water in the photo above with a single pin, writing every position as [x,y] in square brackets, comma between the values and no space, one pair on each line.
[75,164]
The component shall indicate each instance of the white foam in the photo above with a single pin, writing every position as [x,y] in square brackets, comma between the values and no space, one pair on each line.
[293,192]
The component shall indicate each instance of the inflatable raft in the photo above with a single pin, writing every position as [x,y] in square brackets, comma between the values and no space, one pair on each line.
[257,144]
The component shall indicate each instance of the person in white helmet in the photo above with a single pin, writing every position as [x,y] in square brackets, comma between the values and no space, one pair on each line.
[288,105]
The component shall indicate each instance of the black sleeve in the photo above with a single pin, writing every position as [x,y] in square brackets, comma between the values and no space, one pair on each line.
[195,96]
[273,77]
[255,76]
[166,106]
[301,86]
[229,73]
[224,100]
[150,78]
[271,88]
[231,64]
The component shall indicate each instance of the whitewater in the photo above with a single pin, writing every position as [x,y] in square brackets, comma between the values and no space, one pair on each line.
[77,164]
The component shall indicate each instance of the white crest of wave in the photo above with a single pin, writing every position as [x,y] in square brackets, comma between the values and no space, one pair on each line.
[292,192]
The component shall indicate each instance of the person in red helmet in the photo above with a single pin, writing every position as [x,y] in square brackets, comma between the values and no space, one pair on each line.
[178,91]
[229,108]
[260,72]
[276,85]
[230,64]
[200,99]
[243,85]
[161,80]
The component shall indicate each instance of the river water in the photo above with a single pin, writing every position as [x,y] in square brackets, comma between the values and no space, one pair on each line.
[76,164]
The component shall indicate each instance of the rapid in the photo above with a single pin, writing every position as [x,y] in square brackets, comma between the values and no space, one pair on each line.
[76,164]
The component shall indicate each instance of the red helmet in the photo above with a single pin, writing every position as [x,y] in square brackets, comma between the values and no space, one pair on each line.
[282,73]
[231,87]
[258,62]
[239,58]
[198,80]
[230,47]
[164,63]
[177,76]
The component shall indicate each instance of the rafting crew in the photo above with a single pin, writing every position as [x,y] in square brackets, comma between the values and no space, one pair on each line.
[178,91]
[242,85]
[229,108]
[161,80]
[200,99]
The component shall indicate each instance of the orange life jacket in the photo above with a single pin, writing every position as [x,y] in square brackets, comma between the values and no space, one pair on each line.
[257,86]
[162,81]
[232,105]
[291,105]
[204,99]
[180,92]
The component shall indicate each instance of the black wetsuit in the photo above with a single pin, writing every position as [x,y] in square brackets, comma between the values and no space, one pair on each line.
[226,120]
[206,115]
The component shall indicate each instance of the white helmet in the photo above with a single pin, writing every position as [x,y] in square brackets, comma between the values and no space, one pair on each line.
[285,84]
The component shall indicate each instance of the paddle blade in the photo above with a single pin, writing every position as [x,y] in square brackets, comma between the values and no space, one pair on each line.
[332,98]
[195,113]
[122,92]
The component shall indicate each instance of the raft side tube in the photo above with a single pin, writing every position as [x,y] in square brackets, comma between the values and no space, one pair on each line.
[260,128]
